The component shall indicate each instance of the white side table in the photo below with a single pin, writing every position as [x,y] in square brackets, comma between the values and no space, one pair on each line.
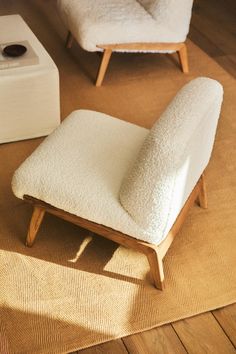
[29,95]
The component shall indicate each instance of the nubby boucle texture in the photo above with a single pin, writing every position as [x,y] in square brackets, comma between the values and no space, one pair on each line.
[81,166]
[99,22]
[172,158]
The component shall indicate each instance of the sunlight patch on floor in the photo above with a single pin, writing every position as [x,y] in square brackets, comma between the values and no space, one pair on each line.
[84,244]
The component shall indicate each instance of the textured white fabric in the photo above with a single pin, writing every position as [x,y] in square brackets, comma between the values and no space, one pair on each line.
[172,158]
[81,166]
[29,96]
[125,21]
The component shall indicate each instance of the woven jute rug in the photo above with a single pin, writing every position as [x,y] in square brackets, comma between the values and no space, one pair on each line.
[74,289]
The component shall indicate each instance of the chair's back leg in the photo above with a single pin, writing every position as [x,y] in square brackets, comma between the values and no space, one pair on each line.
[183,58]
[35,222]
[202,196]
[103,66]
[156,268]
[69,40]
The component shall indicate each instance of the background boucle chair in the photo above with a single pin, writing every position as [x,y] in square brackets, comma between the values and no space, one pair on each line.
[126,183]
[127,26]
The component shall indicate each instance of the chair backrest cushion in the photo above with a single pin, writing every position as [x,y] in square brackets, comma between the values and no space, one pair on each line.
[173,157]
[173,15]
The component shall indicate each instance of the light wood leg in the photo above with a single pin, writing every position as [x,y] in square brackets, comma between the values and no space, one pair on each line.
[35,222]
[103,66]
[69,40]
[156,268]
[202,197]
[183,58]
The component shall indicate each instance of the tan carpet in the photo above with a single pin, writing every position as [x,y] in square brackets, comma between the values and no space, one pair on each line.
[55,298]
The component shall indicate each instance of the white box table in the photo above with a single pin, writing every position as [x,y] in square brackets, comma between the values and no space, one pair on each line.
[29,95]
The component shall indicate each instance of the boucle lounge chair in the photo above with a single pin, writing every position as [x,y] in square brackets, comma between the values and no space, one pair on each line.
[127,26]
[124,182]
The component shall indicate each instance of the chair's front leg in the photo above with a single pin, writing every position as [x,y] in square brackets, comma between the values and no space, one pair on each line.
[103,66]
[156,268]
[35,222]
[183,58]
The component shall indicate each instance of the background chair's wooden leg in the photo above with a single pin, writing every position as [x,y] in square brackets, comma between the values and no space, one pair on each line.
[156,268]
[183,58]
[69,40]
[103,66]
[35,223]
[202,196]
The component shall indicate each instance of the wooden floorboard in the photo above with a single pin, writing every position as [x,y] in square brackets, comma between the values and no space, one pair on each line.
[213,29]
[203,334]
[155,341]
[226,318]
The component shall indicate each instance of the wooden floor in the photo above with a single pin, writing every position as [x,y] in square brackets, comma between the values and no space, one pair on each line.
[213,28]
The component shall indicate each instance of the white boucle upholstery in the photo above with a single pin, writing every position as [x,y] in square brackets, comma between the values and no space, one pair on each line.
[172,158]
[92,161]
[80,167]
[99,22]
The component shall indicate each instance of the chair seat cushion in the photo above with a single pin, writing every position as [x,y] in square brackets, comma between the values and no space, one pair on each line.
[100,22]
[79,168]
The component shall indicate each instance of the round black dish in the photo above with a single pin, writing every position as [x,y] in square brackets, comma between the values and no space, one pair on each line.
[14,50]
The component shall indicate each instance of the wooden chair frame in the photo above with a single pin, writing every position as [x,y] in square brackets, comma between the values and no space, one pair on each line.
[180,48]
[154,253]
